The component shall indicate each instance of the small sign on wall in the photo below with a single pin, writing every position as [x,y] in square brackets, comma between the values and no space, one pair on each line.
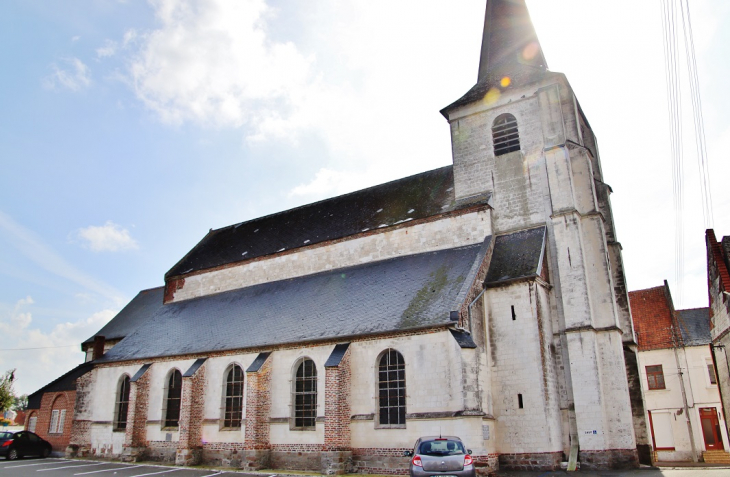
[592,432]
[485,432]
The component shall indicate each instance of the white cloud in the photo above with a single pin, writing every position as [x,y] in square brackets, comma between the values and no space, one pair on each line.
[108,49]
[211,62]
[32,247]
[76,38]
[72,74]
[109,237]
[54,352]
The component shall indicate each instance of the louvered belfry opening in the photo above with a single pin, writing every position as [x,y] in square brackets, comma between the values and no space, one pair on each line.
[505,135]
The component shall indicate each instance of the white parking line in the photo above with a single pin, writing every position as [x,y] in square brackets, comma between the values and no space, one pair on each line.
[31,465]
[15,461]
[70,466]
[103,470]
[155,473]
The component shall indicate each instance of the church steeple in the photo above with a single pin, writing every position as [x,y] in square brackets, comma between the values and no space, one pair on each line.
[509,42]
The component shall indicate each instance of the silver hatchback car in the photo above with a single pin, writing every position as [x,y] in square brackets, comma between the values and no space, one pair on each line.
[441,456]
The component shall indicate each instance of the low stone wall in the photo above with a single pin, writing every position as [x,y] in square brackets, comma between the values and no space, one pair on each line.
[224,454]
[296,457]
[543,461]
[162,451]
[380,461]
[609,459]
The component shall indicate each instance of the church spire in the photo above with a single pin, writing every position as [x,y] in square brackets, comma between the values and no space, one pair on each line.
[509,43]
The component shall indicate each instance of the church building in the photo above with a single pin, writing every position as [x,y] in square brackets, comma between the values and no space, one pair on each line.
[484,300]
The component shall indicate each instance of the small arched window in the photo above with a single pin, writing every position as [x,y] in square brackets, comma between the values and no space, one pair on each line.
[122,404]
[505,135]
[392,389]
[172,401]
[305,395]
[233,414]
[58,415]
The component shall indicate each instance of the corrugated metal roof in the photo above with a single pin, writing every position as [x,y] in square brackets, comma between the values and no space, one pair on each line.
[403,293]
[411,198]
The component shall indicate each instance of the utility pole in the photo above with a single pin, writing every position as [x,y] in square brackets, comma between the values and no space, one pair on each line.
[675,345]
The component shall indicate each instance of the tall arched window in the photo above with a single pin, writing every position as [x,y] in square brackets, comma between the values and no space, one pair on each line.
[392,389]
[122,405]
[233,414]
[172,401]
[505,135]
[305,395]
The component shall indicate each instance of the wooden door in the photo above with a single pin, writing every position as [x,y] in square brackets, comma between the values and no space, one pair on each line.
[711,428]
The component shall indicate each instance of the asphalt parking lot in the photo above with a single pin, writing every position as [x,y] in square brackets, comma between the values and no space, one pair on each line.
[56,467]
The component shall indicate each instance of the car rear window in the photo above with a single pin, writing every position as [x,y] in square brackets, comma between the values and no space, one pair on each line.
[6,435]
[441,447]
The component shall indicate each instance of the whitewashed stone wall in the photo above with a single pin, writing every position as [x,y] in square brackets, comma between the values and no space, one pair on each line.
[433,379]
[448,232]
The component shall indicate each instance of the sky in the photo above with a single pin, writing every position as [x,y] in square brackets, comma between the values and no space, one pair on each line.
[128,129]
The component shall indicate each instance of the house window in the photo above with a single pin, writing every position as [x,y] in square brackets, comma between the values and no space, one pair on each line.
[122,406]
[305,395]
[172,403]
[234,397]
[32,423]
[655,377]
[711,372]
[392,389]
[505,135]
[58,419]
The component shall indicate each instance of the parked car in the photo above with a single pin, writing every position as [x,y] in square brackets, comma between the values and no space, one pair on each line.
[14,445]
[441,456]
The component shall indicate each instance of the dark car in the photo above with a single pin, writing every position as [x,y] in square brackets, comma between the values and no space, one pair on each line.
[14,445]
[441,456]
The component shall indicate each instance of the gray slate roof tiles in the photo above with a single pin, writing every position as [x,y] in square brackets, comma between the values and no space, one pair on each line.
[132,316]
[403,293]
[411,198]
[694,324]
[516,255]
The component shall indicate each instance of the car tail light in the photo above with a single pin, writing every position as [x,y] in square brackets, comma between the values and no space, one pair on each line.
[7,443]
[468,460]
[417,461]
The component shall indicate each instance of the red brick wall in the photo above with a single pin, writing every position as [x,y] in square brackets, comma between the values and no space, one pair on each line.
[258,407]
[337,406]
[191,410]
[136,433]
[652,311]
[49,402]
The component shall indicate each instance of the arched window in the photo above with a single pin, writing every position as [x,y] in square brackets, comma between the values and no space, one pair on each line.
[172,402]
[233,414]
[32,421]
[122,405]
[58,415]
[392,389]
[305,395]
[505,135]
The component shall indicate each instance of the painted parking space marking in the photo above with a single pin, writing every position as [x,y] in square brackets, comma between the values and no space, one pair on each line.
[16,462]
[102,470]
[31,465]
[155,473]
[72,465]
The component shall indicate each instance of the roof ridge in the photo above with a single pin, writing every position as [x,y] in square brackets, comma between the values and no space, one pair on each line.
[310,204]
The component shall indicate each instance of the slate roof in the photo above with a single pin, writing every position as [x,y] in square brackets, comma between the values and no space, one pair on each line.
[402,293]
[132,316]
[517,255]
[411,198]
[66,382]
[694,324]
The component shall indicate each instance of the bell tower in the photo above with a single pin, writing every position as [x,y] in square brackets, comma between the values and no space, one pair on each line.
[520,136]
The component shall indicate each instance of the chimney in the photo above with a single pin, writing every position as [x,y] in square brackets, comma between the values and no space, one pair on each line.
[98,347]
